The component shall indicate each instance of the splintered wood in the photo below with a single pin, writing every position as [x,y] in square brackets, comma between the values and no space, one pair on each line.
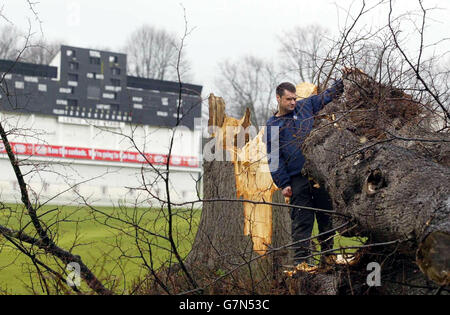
[254,182]
[252,175]
[253,179]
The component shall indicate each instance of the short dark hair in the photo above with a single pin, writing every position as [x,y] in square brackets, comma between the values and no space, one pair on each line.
[285,86]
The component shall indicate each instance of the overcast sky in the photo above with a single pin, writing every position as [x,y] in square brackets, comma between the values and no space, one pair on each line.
[223,28]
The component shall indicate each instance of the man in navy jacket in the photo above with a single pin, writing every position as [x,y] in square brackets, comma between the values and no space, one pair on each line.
[286,131]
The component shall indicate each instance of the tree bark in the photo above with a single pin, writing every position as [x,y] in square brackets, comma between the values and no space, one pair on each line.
[220,245]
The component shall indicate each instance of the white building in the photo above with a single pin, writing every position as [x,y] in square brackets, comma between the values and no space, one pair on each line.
[84,131]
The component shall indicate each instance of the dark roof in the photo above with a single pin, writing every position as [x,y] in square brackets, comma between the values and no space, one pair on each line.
[36,70]
[28,69]
[163,86]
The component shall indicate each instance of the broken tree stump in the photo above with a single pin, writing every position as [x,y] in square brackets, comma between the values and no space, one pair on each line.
[233,233]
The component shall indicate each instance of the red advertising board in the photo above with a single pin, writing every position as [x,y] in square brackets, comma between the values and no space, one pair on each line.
[22,148]
[142,159]
[18,148]
[130,157]
[190,161]
[77,153]
[48,150]
[176,160]
[106,155]
[149,157]
[135,157]
[98,154]
[159,159]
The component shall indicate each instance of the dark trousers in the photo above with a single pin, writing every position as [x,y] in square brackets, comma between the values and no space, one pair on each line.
[304,194]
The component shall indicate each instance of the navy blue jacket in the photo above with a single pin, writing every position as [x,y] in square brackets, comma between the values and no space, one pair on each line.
[284,152]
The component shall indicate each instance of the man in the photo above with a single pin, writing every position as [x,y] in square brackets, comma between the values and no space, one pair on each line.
[292,123]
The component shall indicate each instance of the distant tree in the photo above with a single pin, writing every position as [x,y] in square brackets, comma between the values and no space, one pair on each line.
[15,43]
[153,53]
[9,36]
[302,52]
[248,82]
[41,52]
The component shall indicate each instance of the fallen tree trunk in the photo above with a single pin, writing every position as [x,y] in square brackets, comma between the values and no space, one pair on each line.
[382,170]
[393,191]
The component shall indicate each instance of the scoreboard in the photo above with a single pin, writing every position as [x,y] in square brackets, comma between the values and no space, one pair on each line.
[90,85]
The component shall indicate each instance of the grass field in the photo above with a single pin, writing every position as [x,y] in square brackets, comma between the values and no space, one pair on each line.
[99,240]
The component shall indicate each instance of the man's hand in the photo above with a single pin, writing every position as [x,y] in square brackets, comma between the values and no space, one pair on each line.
[346,71]
[287,192]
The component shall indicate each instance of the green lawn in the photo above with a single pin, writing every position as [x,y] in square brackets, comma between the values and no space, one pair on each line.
[346,245]
[106,245]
